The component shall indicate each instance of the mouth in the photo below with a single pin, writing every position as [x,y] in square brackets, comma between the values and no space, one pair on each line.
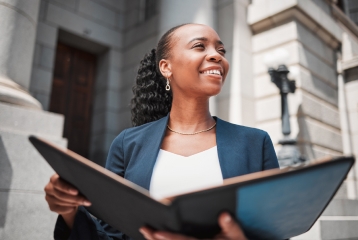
[212,72]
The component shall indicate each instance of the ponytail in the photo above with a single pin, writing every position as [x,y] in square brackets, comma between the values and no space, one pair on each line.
[150,100]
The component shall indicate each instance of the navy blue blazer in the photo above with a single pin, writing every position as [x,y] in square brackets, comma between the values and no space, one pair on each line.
[133,153]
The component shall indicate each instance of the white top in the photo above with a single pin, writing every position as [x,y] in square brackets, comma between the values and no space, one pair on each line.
[174,174]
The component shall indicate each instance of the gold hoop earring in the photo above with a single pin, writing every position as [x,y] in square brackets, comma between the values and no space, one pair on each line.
[167,87]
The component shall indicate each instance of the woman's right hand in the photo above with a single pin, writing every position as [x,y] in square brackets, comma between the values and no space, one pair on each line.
[64,199]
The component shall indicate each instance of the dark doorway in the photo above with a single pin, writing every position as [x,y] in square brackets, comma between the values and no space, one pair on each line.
[71,95]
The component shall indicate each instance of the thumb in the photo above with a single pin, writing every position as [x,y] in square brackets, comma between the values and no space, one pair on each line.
[230,228]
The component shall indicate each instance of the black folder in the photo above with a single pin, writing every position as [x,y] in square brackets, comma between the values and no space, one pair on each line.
[273,204]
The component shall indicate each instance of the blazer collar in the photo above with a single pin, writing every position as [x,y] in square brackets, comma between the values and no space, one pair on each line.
[226,148]
[157,132]
[155,135]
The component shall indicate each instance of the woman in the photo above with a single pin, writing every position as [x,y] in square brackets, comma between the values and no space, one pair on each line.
[173,125]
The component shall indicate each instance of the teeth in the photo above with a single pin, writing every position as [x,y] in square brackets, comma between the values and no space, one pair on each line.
[216,72]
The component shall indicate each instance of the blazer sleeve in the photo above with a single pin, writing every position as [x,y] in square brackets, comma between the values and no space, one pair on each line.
[269,155]
[86,226]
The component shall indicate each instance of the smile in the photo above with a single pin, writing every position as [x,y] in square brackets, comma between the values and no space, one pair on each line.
[213,71]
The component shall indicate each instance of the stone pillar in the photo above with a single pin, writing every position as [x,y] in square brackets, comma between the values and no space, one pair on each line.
[242,106]
[351,183]
[351,91]
[348,100]
[24,213]
[199,11]
[17,31]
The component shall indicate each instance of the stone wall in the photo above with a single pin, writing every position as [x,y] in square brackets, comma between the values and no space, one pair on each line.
[314,114]
[95,26]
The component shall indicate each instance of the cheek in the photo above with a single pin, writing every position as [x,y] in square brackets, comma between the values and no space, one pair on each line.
[187,66]
[226,66]
[191,60]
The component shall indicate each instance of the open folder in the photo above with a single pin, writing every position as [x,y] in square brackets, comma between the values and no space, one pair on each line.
[274,204]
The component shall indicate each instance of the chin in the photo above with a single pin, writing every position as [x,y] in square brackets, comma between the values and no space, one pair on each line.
[213,91]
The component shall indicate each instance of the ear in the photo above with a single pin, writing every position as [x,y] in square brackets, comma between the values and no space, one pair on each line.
[165,68]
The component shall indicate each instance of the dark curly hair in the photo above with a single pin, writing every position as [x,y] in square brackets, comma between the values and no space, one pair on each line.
[150,100]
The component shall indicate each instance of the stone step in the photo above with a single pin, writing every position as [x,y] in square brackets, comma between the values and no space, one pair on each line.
[339,228]
[21,120]
[24,173]
[332,228]
[342,207]
[338,221]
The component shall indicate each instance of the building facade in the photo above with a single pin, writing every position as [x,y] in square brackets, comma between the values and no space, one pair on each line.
[67,68]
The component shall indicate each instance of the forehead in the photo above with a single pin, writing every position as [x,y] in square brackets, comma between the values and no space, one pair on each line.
[188,32]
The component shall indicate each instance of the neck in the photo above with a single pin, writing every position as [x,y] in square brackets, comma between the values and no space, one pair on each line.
[190,115]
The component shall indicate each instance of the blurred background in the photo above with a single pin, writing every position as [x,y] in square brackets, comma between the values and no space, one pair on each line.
[67,68]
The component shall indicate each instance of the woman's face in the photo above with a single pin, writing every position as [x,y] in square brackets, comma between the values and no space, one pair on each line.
[197,61]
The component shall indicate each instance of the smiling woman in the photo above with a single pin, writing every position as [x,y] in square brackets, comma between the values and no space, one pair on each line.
[175,145]
[184,53]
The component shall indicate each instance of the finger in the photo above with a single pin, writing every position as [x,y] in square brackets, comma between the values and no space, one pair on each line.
[230,228]
[62,186]
[147,233]
[65,197]
[160,235]
[78,200]
[53,200]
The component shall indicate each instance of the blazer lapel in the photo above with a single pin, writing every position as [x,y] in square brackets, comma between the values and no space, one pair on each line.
[227,144]
[149,152]
[222,148]
[232,149]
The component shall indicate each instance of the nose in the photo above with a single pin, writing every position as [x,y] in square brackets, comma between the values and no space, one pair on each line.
[213,56]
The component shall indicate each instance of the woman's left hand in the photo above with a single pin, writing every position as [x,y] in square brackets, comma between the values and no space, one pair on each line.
[230,230]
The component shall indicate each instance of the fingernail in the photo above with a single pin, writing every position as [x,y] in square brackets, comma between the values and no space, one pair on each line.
[144,233]
[160,236]
[227,218]
[74,191]
[87,203]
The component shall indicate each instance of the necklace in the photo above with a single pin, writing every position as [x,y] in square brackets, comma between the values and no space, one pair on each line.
[193,132]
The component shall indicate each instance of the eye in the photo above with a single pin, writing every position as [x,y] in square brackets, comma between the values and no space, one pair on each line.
[199,45]
[222,50]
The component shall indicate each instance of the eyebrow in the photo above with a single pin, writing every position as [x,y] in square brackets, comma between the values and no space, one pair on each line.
[204,39]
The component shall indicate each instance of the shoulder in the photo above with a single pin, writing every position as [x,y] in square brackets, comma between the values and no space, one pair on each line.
[144,131]
[253,146]
[240,130]
[133,137]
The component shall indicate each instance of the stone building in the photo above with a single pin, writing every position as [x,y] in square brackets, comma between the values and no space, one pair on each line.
[67,68]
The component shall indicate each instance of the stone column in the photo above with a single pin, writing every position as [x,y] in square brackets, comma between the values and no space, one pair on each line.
[173,12]
[348,100]
[242,106]
[17,30]
[24,213]
[351,183]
